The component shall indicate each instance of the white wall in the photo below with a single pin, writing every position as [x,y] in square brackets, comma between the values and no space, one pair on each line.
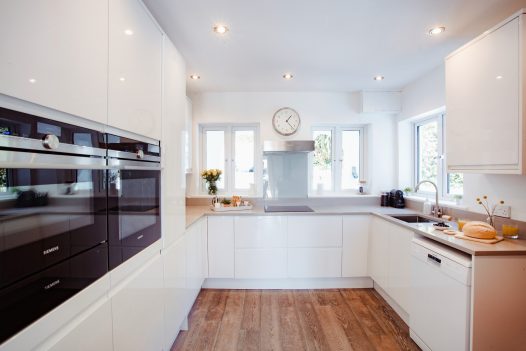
[314,108]
[425,96]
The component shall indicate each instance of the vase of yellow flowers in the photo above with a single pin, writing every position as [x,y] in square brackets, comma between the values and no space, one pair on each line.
[211,176]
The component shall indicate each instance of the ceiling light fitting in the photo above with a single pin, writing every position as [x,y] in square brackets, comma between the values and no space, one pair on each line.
[128,32]
[437,30]
[378,77]
[195,77]
[288,76]
[220,29]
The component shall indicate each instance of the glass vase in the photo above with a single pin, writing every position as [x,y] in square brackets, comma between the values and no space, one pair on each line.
[212,187]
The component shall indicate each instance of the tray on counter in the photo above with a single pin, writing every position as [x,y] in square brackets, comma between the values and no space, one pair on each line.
[231,208]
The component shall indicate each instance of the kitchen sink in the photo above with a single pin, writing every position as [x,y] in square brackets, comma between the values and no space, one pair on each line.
[413,219]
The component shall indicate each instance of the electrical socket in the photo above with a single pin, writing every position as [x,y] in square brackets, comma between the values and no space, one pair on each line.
[503,211]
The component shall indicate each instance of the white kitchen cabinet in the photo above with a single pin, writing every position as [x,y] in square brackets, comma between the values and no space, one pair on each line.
[399,272]
[266,263]
[260,231]
[55,54]
[176,296]
[355,245]
[314,231]
[485,97]
[221,242]
[172,144]
[314,262]
[93,332]
[378,253]
[138,309]
[194,260]
[188,136]
[134,78]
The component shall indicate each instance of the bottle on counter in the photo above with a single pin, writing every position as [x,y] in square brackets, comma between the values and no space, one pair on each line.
[427,207]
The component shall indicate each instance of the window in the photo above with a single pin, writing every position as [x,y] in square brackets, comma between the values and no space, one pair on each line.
[232,149]
[429,158]
[337,162]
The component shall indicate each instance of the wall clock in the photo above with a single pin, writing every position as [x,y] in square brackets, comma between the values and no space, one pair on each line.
[286,121]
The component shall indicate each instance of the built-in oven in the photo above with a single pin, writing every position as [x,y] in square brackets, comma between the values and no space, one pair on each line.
[134,178]
[53,215]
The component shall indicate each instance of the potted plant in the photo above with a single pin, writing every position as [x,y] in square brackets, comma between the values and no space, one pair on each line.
[408,191]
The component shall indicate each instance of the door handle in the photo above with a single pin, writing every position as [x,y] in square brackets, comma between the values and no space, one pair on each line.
[434,258]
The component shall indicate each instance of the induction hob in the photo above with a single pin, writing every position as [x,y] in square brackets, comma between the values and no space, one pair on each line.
[287,208]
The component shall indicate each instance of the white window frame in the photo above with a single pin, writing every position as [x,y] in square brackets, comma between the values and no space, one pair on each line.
[229,163]
[336,166]
[442,174]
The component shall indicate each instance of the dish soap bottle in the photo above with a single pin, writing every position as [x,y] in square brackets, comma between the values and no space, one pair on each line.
[427,207]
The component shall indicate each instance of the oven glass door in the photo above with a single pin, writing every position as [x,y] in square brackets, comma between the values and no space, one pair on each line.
[47,216]
[133,212]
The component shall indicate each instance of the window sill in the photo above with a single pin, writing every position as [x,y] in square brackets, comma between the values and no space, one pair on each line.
[447,203]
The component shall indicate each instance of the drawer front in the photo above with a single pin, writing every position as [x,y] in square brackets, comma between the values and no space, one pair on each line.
[261,263]
[260,231]
[314,231]
[314,263]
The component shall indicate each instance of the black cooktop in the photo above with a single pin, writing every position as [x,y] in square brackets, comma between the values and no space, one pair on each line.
[288,209]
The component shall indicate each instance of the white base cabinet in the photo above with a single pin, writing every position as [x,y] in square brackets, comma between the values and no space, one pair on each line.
[389,259]
[92,333]
[314,262]
[355,245]
[221,246]
[138,309]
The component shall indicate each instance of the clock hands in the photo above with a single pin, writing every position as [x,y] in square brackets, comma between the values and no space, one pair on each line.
[287,120]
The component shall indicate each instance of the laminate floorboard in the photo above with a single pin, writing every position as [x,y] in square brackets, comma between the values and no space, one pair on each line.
[293,320]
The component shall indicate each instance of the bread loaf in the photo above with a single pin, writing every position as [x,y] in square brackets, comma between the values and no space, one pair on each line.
[479,230]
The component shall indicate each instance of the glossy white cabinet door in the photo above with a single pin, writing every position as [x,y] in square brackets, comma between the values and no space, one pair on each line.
[176,298]
[221,246]
[260,231]
[55,53]
[134,86]
[399,272]
[92,333]
[138,309]
[314,231]
[314,262]
[194,260]
[355,245]
[378,255]
[172,144]
[483,99]
[267,263]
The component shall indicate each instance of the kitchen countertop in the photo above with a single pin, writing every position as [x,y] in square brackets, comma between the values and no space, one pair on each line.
[503,248]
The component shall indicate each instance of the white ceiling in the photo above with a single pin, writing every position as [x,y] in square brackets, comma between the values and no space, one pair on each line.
[331,45]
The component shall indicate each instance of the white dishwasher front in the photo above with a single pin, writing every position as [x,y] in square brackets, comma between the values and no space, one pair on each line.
[439,310]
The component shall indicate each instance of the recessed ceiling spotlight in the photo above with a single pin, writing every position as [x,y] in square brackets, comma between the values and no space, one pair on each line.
[220,29]
[32,80]
[195,77]
[128,32]
[122,79]
[288,76]
[437,30]
[378,77]
[499,77]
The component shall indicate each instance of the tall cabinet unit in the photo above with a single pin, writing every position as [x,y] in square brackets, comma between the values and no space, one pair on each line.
[134,79]
[485,81]
[55,53]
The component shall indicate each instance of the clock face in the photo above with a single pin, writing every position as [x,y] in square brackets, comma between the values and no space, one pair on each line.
[286,121]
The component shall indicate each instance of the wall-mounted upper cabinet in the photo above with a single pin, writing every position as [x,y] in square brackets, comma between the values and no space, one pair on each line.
[55,53]
[485,102]
[135,57]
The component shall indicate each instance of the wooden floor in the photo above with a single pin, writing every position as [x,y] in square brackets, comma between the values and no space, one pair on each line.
[335,319]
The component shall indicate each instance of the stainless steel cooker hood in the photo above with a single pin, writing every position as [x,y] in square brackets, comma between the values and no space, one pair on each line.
[270,146]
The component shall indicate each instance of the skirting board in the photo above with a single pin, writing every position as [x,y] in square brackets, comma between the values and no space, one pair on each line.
[311,283]
[399,310]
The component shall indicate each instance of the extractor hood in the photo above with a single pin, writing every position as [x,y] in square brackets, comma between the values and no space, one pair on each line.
[288,146]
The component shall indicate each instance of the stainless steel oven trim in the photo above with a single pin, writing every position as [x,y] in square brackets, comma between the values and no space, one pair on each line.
[37,145]
[132,156]
[21,159]
[129,164]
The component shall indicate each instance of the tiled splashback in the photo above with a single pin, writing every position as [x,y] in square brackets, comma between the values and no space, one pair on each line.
[474,216]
